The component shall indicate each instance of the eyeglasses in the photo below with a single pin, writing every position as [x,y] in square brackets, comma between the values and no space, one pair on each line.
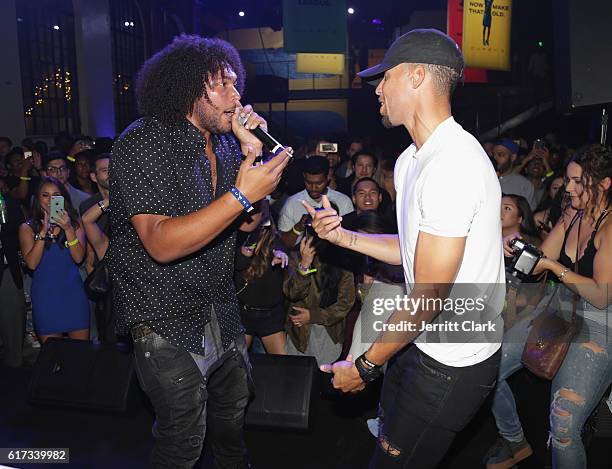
[56,169]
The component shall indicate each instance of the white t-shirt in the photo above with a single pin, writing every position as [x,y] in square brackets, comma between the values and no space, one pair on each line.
[293,209]
[449,188]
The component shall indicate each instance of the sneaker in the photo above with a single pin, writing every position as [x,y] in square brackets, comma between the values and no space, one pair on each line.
[505,454]
[373,426]
[31,340]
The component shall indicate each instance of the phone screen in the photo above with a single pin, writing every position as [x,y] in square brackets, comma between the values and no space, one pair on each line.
[328,147]
[27,154]
[56,205]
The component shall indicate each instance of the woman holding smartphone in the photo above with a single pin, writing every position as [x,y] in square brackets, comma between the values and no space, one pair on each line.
[53,245]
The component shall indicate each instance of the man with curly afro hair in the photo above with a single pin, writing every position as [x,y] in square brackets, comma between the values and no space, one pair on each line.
[178,190]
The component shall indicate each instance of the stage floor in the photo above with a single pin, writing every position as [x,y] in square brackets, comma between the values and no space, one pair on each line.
[339,437]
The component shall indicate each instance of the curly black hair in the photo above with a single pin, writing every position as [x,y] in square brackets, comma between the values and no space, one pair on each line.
[172,80]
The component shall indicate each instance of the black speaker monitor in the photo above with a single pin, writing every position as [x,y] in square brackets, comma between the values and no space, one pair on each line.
[283,391]
[583,47]
[82,374]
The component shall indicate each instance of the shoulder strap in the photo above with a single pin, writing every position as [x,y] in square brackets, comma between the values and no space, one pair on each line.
[573,221]
[602,217]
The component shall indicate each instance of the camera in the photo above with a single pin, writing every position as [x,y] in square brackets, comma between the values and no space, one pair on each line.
[525,258]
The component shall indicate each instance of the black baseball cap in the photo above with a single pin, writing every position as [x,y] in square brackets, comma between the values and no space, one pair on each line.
[423,46]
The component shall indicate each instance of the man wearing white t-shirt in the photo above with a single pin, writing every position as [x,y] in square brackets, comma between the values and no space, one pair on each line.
[293,216]
[448,200]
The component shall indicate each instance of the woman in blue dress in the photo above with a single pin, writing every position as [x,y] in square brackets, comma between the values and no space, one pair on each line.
[53,252]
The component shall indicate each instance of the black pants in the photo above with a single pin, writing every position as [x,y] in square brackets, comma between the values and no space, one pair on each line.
[424,404]
[187,392]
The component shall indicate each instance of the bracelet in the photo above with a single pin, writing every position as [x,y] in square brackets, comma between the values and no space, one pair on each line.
[367,373]
[25,178]
[74,242]
[296,232]
[550,173]
[71,158]
[240,197]
[305,270]
[563,274]
[368,362]
[39,237]
[102,207]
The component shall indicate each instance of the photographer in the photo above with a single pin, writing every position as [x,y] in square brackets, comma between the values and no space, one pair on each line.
[537,169]
[587,370]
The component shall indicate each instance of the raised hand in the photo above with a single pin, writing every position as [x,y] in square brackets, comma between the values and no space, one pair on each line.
[326,222]
[307,252]
[44,228]
[280,257]
[253,120]
[255,182]
[63,220]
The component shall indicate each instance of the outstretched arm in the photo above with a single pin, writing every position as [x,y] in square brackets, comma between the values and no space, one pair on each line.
[437,261]
[326,223]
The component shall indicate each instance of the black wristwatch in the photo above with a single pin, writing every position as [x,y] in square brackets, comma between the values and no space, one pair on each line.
[368,371]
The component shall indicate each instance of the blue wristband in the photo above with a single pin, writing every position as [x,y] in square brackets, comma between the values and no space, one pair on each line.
[242,199]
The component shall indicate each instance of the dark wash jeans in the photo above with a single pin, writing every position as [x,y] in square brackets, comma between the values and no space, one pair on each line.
[423,405]
[188,392]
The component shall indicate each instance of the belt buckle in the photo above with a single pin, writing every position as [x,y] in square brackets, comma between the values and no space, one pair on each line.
[141,331]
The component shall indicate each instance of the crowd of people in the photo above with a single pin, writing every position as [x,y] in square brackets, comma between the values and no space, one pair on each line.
[299,293]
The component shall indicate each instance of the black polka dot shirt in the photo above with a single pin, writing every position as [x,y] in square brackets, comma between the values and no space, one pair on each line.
[163,170]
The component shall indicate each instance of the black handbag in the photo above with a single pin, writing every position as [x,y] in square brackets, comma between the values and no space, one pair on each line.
[98,281]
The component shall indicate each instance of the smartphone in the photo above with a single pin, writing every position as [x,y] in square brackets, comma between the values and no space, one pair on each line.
[539,144]
[310,232]
[55,207]
[27,154]
[328,148]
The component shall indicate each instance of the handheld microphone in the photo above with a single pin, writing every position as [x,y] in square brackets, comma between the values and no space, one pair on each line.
[264,137]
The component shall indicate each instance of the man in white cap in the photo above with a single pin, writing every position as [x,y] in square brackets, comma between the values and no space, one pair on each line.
[448,200]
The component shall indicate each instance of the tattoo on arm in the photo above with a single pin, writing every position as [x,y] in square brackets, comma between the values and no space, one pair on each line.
[353,241]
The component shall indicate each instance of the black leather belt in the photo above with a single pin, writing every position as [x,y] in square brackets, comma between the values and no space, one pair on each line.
[141,330]
[257,308]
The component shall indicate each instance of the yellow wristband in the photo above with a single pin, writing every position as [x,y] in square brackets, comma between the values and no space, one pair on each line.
[25,178]
[550,173]
[304,271]
[71,158]
[74,242]
[296,232]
